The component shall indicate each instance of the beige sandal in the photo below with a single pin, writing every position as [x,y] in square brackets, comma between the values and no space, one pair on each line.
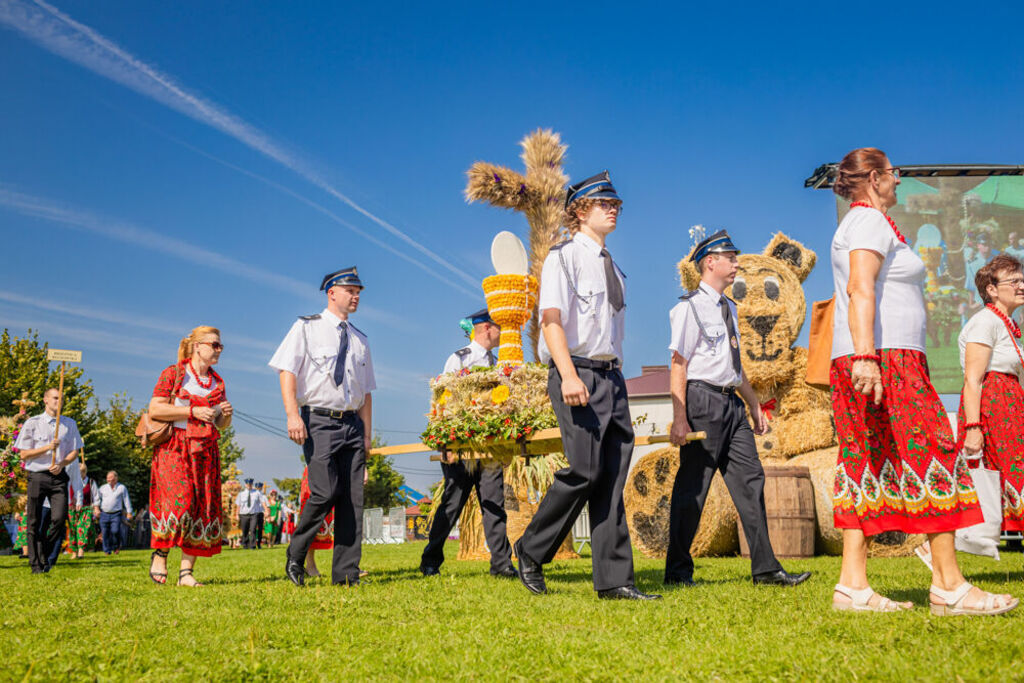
[859,601]
[924,555]
[953,602]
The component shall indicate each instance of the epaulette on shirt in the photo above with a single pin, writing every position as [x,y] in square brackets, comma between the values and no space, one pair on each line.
[463,352]
[560,245]
[687,295]
[357,330]
[315,316]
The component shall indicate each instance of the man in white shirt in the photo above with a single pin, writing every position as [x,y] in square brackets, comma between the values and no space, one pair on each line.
[705,378]
[582,309]
[250,505]
[111,500]
[460,479]
[39,443]
[326,377]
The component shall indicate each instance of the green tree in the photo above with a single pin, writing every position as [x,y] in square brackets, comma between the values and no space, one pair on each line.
[111,444]
[230,452]
[290,488]
[383,482]
[25,370]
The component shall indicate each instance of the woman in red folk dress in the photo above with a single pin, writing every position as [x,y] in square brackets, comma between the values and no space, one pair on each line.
[324,539]
[898,466]
[184,489]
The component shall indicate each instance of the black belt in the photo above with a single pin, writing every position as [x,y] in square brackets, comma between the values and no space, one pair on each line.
[336,414]
[592,364]
[712,387]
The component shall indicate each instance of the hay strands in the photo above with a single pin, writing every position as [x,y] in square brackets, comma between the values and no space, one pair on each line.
[540,442]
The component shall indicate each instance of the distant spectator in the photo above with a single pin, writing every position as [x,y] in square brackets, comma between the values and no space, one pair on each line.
[82,528]
[111,500]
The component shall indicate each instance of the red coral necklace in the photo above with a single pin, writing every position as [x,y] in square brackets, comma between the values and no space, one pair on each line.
[899,235]
[199,380]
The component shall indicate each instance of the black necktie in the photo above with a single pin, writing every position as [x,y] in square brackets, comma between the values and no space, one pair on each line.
[612,282]
[490,358]
[339,367]
[248,501]
[730,332]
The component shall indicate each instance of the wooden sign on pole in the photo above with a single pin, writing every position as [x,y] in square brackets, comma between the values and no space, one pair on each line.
[64,356]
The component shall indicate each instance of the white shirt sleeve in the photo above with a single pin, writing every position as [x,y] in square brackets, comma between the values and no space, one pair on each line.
[369,381]
[685,332]
[73,437]
[75,476]
[127,500]
[870,230]
[26,435]
[97,501]
[554,287]
[291,354]
[982,329]
[452,364]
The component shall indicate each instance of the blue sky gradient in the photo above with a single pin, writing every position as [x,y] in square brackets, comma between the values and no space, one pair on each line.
[167,165]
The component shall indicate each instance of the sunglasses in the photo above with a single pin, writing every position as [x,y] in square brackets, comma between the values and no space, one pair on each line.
[216,346]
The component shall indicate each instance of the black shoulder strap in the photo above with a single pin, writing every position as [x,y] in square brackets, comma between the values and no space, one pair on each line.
[463,352]
[315,316]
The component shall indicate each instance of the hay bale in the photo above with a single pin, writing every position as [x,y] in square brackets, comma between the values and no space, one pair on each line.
[828,539]
[648,495]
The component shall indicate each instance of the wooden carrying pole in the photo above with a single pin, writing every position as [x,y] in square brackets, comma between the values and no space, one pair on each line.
[63,356]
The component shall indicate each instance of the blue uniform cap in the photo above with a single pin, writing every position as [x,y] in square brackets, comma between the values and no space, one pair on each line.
[345,276]
[481,316]
[249,480]
[716,244]
[595,187]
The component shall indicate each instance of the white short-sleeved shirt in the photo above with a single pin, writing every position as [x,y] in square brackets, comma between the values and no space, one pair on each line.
[592,327]
[708,355]
[37,431]
[985,327]
[310,352]
[471,356]
[192,386]
[900,318]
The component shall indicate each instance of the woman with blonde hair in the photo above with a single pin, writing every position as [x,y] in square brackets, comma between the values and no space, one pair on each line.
[184,489]
[898,466]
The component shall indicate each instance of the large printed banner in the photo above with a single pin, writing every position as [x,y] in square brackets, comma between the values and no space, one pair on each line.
[956,225]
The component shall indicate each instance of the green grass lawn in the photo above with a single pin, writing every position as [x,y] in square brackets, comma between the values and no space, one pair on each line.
[101,618]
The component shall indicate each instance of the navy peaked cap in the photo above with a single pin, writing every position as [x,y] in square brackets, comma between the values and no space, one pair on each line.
[249,480]
[481,316]
[716,244]
[345,276]
[595,187]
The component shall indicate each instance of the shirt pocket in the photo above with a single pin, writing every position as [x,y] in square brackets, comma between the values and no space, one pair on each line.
[715,333]
[591,293]
[324,357]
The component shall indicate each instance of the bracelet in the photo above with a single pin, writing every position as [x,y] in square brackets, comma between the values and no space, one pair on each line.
[972,425]
[190,416]
[868,356]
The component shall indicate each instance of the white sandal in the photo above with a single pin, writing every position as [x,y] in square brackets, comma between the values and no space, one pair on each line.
[953,602]
[924,555]
[859,601]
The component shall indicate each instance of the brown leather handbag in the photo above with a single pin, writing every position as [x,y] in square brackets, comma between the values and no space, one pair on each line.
[819,344]
[154,432]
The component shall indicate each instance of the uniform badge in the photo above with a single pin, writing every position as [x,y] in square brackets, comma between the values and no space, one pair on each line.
[734,343]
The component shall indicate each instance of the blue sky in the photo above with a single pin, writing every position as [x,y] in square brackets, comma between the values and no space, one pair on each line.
[164,165]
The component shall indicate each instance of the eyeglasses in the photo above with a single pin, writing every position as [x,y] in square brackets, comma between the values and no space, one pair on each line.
[216,346]
[606,205]
[895,170]
[1015,282]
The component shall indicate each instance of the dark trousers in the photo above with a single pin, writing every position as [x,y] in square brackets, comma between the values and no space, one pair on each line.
[335,454]
[110,527]
[247,524]
[730,449]
[459,483]
[259,529]
[598,443]
[44,524]
[52,487]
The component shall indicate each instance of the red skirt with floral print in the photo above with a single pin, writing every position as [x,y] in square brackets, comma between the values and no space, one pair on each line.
[1002,404]
[185,497]
[899,468]
[324,539]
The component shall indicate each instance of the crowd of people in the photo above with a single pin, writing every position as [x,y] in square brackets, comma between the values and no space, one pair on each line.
[899,467]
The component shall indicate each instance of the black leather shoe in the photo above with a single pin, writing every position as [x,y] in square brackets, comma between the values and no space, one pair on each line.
[506,573]
[295,573]
[530,573]
[781,578]
[686,581]
[626,593]
[350,583]
[429,571]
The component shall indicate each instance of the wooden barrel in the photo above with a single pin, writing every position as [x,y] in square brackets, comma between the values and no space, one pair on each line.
[789,502]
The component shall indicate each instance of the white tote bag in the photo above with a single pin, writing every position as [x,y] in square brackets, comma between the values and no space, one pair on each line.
[983,539]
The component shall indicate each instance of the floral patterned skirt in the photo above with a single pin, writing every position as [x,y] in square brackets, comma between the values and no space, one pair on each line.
[325,534]
[184,497]
[80,529]
[1002,426]
[21,540]
[899,468]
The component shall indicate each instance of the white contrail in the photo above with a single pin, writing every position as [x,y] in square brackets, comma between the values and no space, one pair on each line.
[62,35]
[29,205]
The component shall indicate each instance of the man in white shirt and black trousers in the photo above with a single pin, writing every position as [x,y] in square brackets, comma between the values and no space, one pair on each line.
[460,479]
[326,378]
[250,504]
[706,376]
[582,309]
[36,441]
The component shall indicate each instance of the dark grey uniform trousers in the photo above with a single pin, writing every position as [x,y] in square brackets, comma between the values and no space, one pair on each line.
[335,454]
[459,483]
[598,443]
[41,542]
[247,525]
[729,447]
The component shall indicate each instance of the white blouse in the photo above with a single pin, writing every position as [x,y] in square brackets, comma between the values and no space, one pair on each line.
[900,317]
[190,385]
[985,327]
